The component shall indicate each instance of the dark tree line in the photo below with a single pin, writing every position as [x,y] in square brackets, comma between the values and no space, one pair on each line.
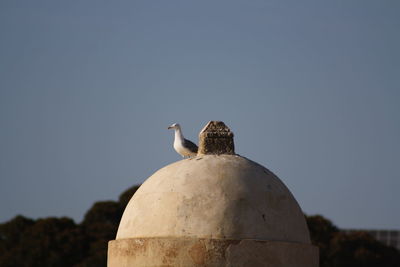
[61,242]
[358,249]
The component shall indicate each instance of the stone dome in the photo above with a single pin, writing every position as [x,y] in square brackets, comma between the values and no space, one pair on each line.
[214,196]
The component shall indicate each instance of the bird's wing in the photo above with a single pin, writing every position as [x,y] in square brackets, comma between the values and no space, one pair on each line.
[190,145]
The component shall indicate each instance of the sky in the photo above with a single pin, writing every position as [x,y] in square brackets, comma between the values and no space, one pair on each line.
[311,90]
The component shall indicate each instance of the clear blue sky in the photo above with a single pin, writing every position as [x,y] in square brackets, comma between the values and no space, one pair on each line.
[311,90]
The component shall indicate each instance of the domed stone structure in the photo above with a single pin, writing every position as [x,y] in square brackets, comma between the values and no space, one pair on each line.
[216,209]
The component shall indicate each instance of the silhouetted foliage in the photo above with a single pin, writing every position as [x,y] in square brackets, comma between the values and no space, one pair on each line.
[46,242]
[127,195]
[358,249]
[100,225]
[13,231]
[62,242]
[321,232]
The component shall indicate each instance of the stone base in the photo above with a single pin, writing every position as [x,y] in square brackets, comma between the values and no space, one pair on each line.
[188,252]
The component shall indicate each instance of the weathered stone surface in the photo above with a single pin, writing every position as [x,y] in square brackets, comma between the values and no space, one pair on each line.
[215,209]
[189,252]
[210,196]
[216,138]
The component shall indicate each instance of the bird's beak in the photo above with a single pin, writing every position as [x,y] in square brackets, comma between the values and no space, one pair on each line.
[169,127]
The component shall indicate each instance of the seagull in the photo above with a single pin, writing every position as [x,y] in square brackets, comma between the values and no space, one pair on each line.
[184,147]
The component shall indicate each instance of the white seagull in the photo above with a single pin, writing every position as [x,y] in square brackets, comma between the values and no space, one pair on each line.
[184,147]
